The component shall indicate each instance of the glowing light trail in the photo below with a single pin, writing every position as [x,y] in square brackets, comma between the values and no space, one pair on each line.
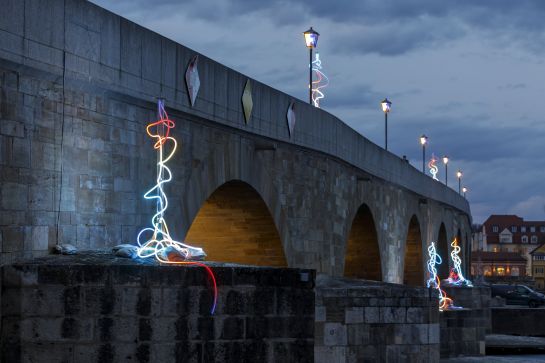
[433,168]
[456,277]
[160,244]
[434,281]
[321,82]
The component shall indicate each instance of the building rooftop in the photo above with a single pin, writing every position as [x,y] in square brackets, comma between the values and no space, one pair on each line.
[486,256]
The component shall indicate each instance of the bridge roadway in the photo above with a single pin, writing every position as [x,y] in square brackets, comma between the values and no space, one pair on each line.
[79,84]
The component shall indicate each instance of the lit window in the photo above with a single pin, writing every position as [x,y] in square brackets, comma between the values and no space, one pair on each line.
[524,239]
[533,229]
[495,228]
[534,239]
[514,229]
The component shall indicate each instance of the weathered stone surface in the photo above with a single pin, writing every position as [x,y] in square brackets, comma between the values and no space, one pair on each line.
[368,321]
[130,308]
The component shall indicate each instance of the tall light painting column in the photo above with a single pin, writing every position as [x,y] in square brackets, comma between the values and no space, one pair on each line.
[311,40]
[386,104]
[459,176]
[445,161]
[423,142]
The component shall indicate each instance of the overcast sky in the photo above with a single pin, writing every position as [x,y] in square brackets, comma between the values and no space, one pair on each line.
[468,74]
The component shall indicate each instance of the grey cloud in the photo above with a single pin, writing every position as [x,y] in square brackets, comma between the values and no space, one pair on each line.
[512,86]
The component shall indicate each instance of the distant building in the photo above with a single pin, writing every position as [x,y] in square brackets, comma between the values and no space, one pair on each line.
[510,233]
[495,264]
[538,266]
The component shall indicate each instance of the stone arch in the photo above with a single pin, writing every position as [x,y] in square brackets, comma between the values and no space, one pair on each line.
[413,271]
[442,248]
[235,225]
[362,257]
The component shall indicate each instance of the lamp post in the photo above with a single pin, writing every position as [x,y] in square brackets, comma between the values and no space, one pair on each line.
[464,190]
[423,142]
[445,161]
[386,104]
[459,176]
[311,40]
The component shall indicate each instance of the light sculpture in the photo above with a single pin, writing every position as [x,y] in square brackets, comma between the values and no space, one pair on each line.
[321,81]
[159,243]
[434,281]
[433,168]
[456,277]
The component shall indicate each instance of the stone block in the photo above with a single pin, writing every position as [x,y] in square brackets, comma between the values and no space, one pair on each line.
[68,200]
[131,47]
[358,334]
[41,53]
[20,155]
[40,198]
[13,239]
[151,56]
[335,334]
[40,238]
[12,16]
[354,315]
[320,313]
[49,30]
[12,128]
[330,354]
[82,40]
[14,196]
[372,315]
[393,314]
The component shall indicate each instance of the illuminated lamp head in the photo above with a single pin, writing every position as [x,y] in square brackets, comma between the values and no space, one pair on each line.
[423,140]
[386,104]
[464,190]
[445,160]
[459,174]
[311,38]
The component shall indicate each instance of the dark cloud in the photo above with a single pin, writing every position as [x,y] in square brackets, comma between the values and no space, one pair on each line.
[386,27]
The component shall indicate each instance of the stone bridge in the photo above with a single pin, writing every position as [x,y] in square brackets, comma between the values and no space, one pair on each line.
[79,86]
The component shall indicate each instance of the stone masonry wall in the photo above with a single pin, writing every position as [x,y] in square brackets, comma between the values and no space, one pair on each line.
[101,309]
[461,333]
[363,321]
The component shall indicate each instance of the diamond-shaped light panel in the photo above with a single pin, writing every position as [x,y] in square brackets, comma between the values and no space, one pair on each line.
[247,103]
[192,80]
[291,117]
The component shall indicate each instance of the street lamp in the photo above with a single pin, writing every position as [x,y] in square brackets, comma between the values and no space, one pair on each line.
[464,190]
[459,176]
[445,161]
[311,40]
[423,141]
[386,104]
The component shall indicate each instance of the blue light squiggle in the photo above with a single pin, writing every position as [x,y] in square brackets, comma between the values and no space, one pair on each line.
[434,281]
[321,82]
